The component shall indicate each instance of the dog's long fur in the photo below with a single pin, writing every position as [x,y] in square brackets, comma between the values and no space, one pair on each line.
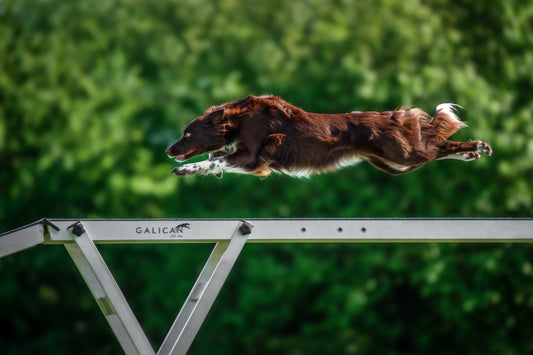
[258,135]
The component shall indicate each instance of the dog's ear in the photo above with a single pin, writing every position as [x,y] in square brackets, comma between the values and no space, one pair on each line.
[216,116]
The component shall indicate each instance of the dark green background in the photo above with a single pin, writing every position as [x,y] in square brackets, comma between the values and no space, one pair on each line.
[92,92]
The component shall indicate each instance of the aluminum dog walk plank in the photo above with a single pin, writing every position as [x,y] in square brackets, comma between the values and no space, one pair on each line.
[457,230]
[21,238]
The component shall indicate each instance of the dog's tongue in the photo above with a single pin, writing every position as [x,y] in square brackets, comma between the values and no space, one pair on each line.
[185,155]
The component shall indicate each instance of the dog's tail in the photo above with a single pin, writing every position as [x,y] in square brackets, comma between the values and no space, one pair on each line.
[445,122]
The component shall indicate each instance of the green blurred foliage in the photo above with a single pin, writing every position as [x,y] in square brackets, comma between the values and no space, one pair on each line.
[91,93]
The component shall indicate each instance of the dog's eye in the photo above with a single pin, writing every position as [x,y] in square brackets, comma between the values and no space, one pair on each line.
[187,135]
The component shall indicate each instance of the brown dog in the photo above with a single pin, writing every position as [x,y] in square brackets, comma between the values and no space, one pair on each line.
[258,135]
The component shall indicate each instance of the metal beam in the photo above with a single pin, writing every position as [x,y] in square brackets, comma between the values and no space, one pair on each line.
[22,238]
[304,230]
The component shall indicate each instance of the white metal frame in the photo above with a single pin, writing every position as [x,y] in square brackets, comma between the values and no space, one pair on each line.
[229,235]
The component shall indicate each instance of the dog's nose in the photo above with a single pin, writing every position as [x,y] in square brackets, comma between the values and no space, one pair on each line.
[169,152]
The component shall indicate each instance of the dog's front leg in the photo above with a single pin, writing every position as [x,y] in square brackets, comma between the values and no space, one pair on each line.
[214,165]
[186,169]
[205,167]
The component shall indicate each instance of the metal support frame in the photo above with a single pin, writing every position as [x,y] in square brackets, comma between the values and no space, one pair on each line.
[230,236]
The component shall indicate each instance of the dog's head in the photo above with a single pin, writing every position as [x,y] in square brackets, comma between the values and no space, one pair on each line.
[205,134]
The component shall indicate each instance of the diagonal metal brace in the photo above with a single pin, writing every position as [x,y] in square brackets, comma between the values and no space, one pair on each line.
[107,292]
[204,292]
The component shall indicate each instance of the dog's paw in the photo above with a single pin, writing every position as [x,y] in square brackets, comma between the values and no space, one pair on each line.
[470,156]
[218,175]
[181,171]
[484,148]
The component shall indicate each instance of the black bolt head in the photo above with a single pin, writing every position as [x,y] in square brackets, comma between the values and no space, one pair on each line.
[245,228]
[77,229]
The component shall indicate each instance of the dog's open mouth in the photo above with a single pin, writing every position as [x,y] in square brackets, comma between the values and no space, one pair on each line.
[185,156]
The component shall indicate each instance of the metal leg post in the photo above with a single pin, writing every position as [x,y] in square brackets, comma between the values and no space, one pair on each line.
[107,292]
[204,292]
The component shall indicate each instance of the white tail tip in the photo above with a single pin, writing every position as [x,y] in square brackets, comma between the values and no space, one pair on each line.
[450,109]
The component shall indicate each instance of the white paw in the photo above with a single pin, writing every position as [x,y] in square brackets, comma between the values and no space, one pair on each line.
[484,148]
[470,156]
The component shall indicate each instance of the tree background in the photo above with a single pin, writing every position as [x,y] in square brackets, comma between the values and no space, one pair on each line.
[91,94]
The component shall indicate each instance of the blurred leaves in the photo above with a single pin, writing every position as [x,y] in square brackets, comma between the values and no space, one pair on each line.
[91,93]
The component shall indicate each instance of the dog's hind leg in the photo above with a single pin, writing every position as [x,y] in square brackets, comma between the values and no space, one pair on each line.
[466,151]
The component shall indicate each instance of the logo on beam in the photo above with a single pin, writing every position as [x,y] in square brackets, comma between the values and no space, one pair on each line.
[166,231]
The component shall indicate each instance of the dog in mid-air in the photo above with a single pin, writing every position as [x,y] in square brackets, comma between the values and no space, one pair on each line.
[260,134]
